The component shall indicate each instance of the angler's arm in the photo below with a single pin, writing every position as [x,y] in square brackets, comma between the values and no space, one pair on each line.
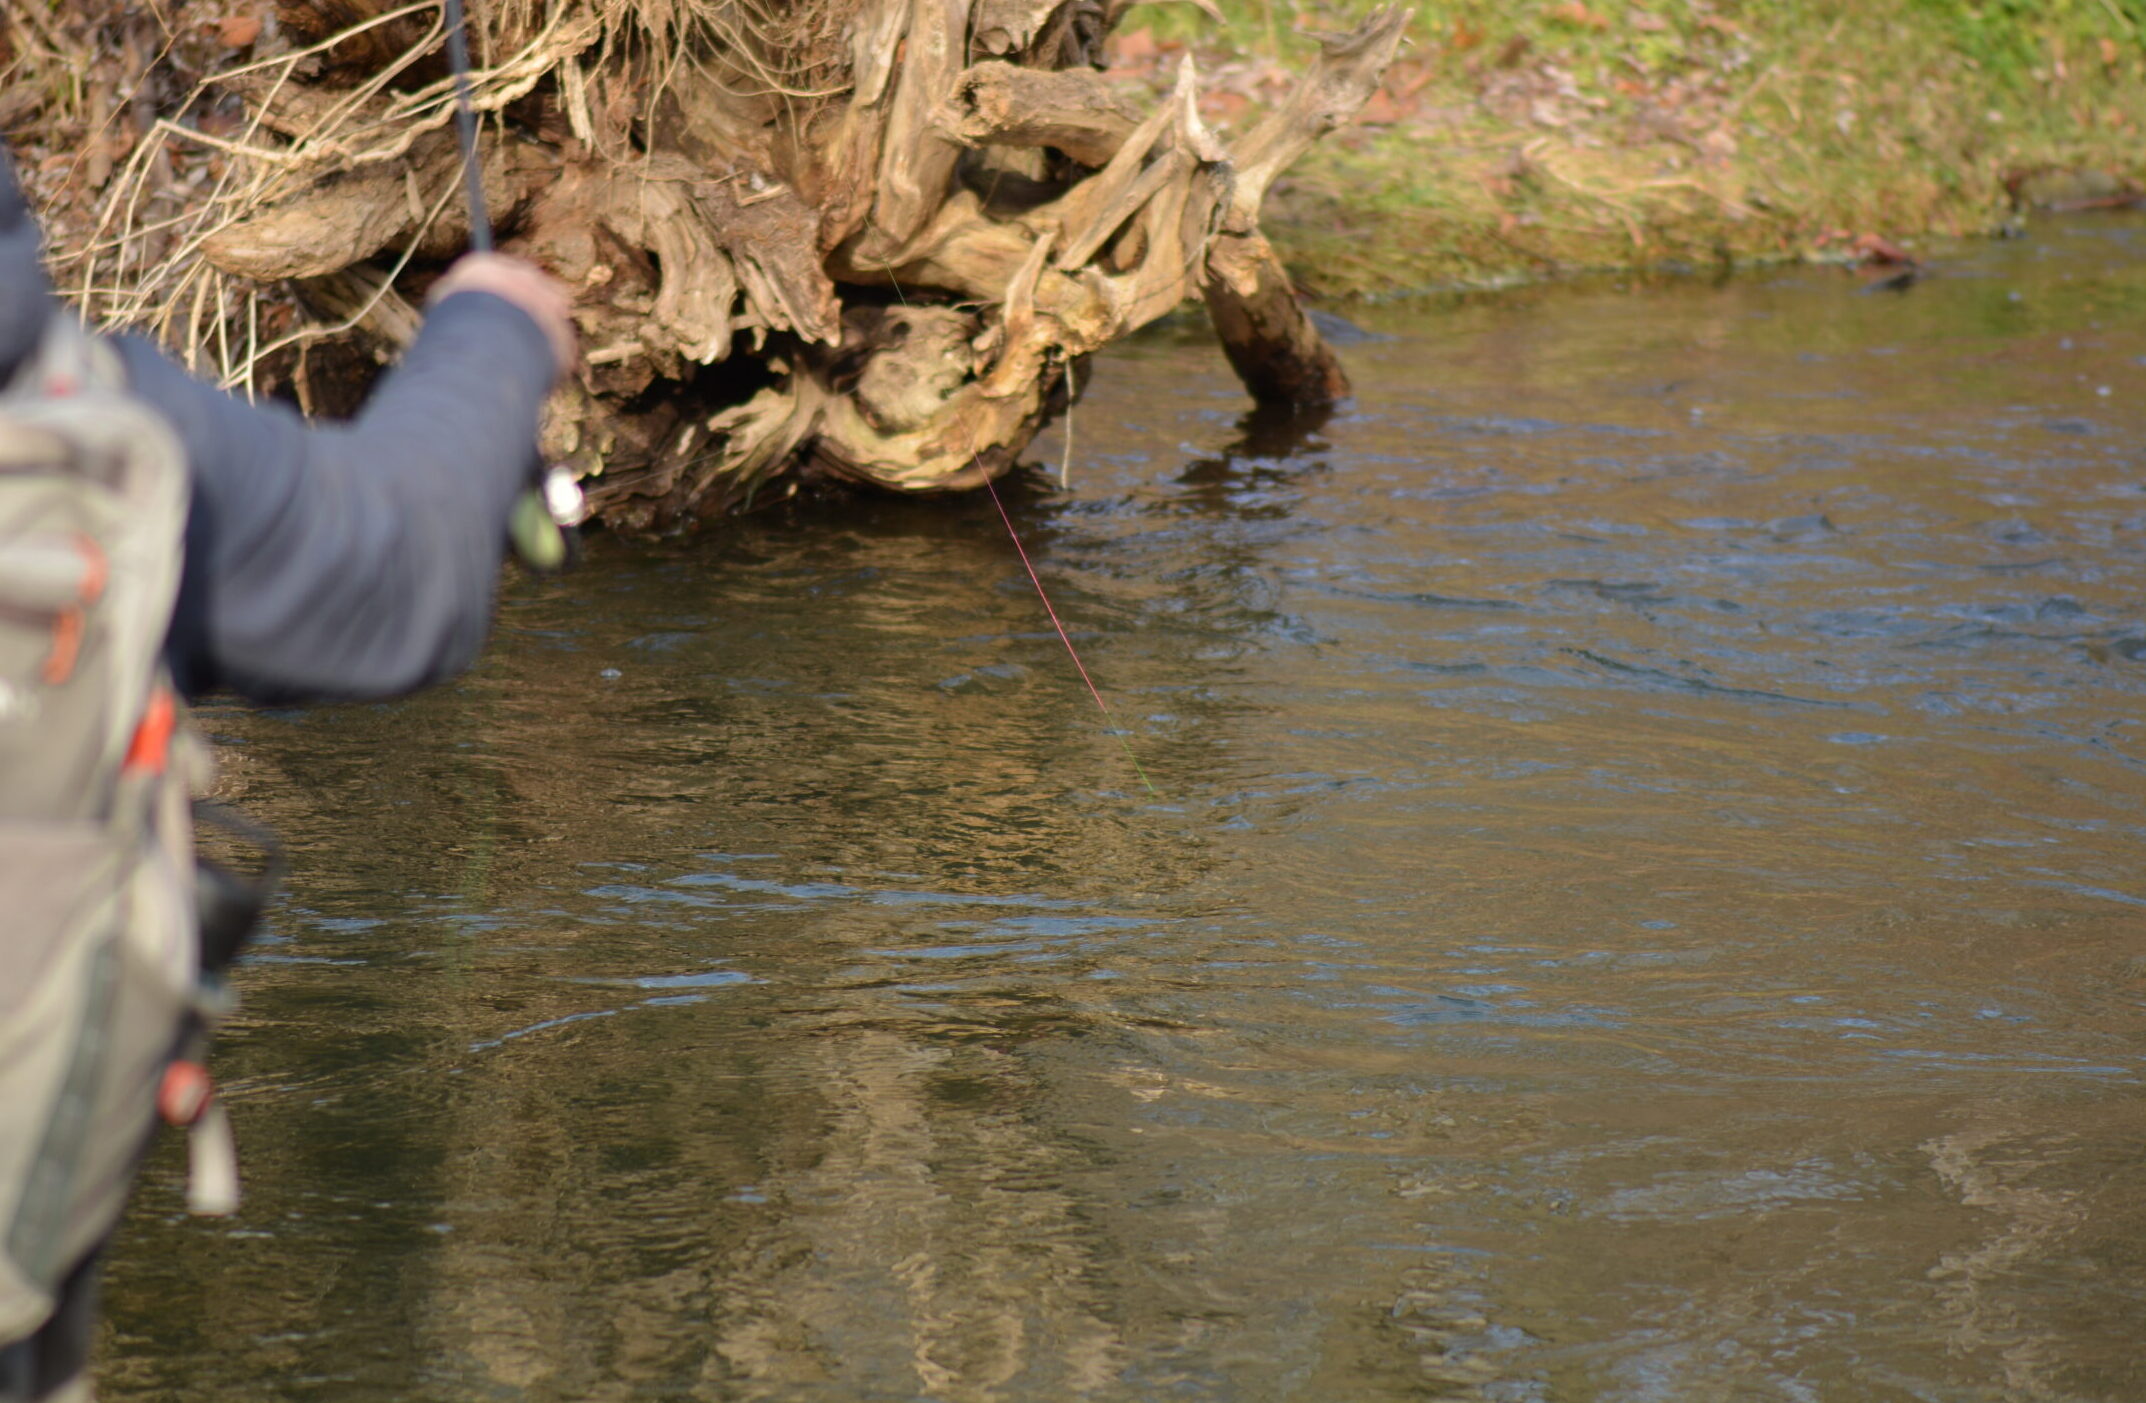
[355,560]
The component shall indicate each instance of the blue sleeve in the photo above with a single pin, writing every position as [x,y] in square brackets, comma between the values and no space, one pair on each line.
[346,561]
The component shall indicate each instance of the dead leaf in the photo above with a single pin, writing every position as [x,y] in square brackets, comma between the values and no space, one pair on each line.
[223,123]
[1646,23]
[238,31]
[1132,48]
[1516,49]
[1382,110]
[1224,107]
[1876,248]
[1576,14]
[1465,37]
[1407,78]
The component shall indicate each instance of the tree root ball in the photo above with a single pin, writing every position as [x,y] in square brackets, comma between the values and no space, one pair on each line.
[855,239]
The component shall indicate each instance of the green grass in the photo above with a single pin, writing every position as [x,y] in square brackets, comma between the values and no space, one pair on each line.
[1549,136]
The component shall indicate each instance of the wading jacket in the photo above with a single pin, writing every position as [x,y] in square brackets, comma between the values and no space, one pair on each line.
[334,561]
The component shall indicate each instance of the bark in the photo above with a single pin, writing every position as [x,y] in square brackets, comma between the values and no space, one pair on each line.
[1077,110]
[1269,340]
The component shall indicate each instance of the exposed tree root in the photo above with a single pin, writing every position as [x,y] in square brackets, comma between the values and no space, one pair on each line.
[813,239]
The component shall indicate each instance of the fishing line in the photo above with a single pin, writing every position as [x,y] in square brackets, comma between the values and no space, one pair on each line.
[1071,651]
[1037,580]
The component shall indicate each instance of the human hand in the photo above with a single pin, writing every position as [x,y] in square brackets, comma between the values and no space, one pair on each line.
[524,284]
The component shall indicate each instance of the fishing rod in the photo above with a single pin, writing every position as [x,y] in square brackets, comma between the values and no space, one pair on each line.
[542,521]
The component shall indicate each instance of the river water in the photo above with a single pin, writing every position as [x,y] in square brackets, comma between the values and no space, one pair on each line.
[1640,900]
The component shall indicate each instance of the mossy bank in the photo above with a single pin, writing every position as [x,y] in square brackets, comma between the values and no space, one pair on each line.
[1518,141]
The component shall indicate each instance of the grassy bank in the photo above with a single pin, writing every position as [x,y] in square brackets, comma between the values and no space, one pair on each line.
[1545,136]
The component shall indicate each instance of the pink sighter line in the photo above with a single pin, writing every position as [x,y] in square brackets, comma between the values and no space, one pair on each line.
[1037,581]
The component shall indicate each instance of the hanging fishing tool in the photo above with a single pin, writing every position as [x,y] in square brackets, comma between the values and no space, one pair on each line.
[543,520]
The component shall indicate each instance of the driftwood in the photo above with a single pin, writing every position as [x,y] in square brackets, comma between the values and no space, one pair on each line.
[869,240]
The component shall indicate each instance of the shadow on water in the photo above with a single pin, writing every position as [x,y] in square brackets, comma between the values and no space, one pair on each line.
[1275,447]
[1642,904]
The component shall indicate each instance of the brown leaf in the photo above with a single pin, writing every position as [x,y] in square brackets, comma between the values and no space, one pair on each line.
[1133,48]
[1407,78]
[1224,107]
[238,31]
[1382,110]
[1576,14]
[1876,248]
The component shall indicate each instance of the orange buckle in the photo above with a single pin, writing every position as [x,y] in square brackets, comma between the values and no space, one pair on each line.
[66,647]
[67,624]
[151,747]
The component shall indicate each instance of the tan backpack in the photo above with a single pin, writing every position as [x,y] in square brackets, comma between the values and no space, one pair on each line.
[102,1001]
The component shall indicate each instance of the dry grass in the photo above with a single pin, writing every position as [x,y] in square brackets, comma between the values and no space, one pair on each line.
[144,132]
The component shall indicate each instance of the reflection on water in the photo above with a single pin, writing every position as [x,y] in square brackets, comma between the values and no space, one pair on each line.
[1643,904]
